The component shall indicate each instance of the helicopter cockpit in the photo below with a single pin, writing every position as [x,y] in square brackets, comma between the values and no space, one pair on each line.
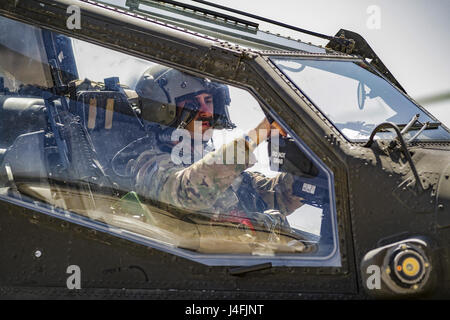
[67,141]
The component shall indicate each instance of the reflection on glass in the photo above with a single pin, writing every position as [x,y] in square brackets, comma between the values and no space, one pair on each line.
[355,98]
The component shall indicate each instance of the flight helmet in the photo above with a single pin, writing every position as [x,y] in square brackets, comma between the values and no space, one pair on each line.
[161,88]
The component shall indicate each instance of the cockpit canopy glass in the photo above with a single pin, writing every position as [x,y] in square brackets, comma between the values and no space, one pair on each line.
[158,156]
[356,99]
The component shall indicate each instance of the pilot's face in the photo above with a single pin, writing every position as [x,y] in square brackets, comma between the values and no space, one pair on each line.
[205,113]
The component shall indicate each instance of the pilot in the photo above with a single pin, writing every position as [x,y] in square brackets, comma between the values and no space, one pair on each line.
[174,101]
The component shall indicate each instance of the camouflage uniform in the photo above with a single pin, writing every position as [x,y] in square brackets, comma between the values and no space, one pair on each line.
[209,184]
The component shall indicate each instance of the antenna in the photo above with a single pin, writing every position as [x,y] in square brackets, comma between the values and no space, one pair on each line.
[345,43]
[133,5]
[341,41]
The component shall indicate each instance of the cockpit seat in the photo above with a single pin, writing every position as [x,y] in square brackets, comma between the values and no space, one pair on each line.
[24,159]
[19,115]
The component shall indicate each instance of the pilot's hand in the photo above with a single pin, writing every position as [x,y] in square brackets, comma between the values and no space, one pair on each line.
[264,129]
[276,126]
